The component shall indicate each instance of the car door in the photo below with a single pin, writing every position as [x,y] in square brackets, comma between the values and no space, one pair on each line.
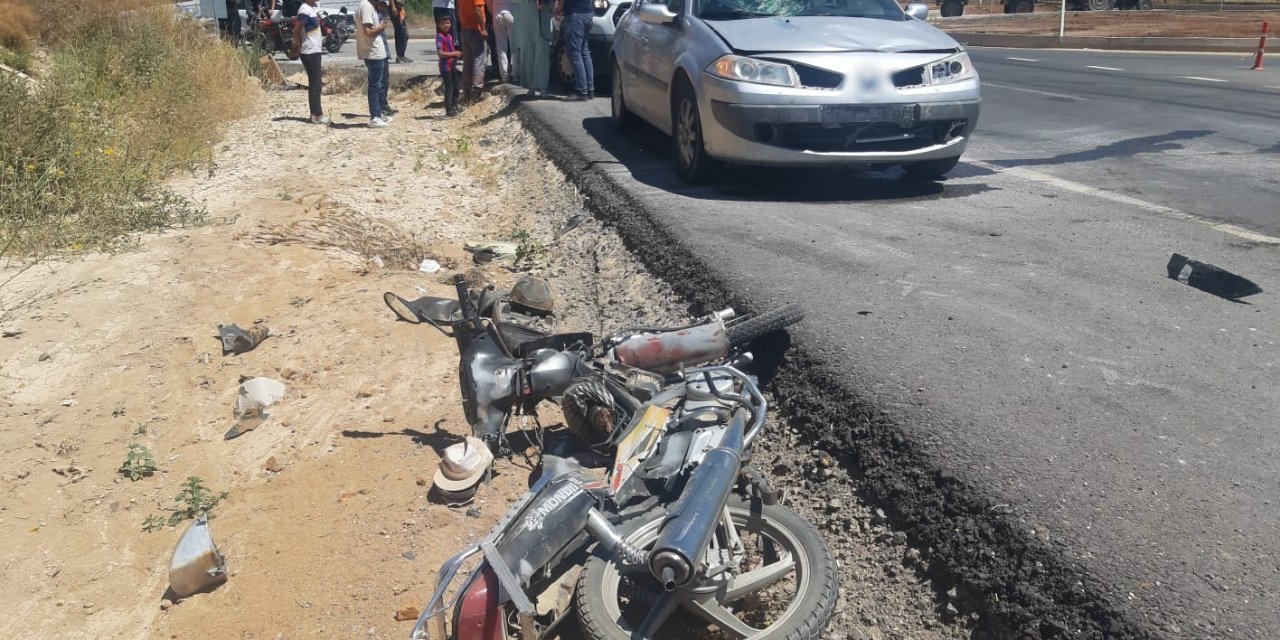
[657,64]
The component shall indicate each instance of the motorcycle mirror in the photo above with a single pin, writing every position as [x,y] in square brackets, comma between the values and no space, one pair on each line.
[401,308]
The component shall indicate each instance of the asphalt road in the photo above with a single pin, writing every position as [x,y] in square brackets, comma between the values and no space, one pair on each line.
[1016,323]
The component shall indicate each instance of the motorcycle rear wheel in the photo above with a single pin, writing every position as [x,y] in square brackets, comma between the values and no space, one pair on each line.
[752,329]
[613,602]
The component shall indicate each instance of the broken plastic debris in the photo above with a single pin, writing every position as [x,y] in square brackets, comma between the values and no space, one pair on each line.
[570,224]
[236,340]
[197,565]
[429,266]
[256,394]
[495,247]
[1210,278]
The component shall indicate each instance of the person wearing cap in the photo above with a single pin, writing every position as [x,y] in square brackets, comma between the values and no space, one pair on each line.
[462,466]
[371,46]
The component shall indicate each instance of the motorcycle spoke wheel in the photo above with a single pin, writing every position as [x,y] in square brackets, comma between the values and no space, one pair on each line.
[782,587]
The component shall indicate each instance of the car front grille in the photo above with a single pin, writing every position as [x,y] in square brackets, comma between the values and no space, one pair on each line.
[860,137]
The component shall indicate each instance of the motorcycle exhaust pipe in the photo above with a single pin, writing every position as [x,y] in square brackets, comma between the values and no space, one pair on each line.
[679,551]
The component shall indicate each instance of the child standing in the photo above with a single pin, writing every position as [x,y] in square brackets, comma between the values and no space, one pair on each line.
[450,74]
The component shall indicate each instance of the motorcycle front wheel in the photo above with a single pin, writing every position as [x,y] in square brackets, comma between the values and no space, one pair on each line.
[784,588]
[333,45]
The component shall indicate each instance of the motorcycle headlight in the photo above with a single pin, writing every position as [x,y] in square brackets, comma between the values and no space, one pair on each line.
[732,67]
[600,5]
[949,70]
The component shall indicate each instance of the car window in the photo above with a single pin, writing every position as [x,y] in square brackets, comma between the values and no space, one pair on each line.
[740,9]
[676,6]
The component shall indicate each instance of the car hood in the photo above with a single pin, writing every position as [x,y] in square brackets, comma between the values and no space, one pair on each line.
[829,33]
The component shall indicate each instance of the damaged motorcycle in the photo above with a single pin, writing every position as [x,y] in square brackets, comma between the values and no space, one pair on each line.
[676,535]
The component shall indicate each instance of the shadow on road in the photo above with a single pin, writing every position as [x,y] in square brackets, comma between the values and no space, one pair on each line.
[646,153]
[1120,149]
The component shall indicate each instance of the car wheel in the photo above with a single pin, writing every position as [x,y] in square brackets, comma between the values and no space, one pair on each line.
[952,8]
[1024,6]
[930,169]
[561,66]
[692,162]
[1145,5]
[622,117]
[1100,5]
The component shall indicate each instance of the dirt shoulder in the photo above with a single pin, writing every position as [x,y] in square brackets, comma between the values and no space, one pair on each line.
[1165,24]
[326,523]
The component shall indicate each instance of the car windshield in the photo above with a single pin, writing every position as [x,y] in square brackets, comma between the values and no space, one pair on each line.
[741,9]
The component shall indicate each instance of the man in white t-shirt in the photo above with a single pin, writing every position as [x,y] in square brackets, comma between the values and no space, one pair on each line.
[308,39]
[371,46]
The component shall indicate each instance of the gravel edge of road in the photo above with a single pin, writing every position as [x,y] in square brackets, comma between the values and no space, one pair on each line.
[1027,588]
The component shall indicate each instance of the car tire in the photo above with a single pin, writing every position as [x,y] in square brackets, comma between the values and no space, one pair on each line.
[688,149]
[1145,5]
[561,66]
[952,8]
[1100,5]
[930,170]
[622,117]
[1024,6]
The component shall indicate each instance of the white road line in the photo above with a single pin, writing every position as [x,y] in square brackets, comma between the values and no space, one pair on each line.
[1089,66]
[1199,78]
[1035,91]
[1168,212]
[1023,59]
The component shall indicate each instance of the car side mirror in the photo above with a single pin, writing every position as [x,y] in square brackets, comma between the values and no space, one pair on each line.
[655,13]
[918,10]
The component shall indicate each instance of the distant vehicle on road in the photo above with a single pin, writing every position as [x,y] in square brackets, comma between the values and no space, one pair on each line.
[796,83]
[952,8]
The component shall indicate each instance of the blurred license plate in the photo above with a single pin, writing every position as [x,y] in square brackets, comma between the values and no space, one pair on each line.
[897,113]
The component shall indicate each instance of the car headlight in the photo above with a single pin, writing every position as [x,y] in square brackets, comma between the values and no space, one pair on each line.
[600,5]
[949,70]
[731,67]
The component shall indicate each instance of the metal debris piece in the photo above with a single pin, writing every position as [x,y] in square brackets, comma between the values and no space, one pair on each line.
[197,565]
[1210,278]
[569,225]
[236,340]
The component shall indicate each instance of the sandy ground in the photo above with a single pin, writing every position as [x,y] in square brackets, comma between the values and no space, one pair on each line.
[1234,24]
[326,524]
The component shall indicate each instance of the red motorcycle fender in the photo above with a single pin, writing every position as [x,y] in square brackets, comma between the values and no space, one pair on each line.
[479,616]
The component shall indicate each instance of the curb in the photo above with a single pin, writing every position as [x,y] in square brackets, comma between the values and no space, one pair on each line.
[1193,45]
[1026,588]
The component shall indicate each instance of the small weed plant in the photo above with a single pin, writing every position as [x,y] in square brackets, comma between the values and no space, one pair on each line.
[138,462]
[530,252]
[194,501]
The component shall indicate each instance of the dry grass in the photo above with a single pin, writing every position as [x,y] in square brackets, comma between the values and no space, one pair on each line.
[359,235]
[17,22]
[131,94]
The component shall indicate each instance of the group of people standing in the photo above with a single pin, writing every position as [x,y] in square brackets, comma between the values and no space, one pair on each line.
[523,32]
[522,35]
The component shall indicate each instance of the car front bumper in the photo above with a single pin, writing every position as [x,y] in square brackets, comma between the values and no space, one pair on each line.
[780,135]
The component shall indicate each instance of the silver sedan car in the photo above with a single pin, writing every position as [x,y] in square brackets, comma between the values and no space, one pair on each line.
[795,83]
